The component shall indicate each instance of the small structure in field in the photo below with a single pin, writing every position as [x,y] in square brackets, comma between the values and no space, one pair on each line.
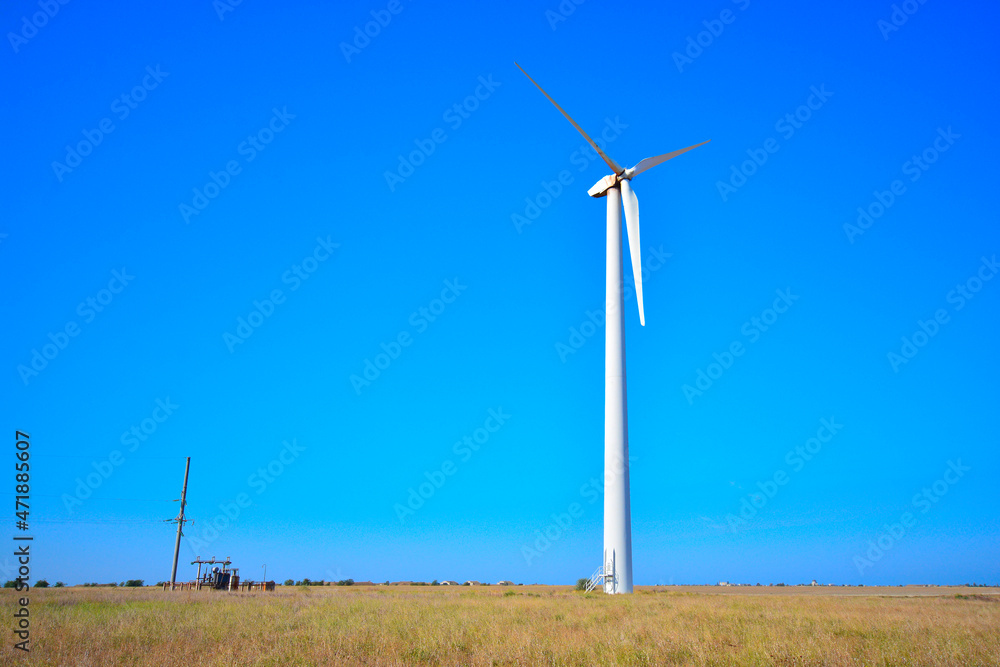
[221,577]
[504,582]
[449,582]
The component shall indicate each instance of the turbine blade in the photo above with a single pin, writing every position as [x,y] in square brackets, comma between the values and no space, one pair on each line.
[631,204]
[651,162]
[611,163]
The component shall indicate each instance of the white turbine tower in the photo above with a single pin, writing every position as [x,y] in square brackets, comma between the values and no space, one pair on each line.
[616,569]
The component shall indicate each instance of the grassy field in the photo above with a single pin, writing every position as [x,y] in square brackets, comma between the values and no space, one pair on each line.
[522,625]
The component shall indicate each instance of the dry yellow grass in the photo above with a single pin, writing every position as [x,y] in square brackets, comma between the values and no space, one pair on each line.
[523,625]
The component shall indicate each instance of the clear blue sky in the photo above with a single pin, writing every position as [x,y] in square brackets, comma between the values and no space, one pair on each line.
[248,152]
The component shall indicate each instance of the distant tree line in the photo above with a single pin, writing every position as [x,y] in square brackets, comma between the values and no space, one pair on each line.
[41,583]
[309,582]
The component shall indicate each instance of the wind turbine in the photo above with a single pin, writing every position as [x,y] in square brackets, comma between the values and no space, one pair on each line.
[616,570]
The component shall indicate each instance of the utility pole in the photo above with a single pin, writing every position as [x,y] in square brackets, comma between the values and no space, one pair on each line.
[180,524]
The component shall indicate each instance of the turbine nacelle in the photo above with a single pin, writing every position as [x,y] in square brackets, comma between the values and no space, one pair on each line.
[601,187]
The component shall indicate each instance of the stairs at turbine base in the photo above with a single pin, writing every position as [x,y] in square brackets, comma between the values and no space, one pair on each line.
[596,579]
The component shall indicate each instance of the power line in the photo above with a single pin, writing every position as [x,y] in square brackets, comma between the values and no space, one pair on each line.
[137,500]
[104,456]
[97,521]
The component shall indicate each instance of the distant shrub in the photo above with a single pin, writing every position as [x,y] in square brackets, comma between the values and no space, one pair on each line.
[581,584]
[345,582]
[41,583]
[309,582]
[435,583]
[289,582]
[507,594]
[59,584]
[135,583]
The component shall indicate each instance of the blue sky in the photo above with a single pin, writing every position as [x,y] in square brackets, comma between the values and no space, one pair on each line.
[227,184]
